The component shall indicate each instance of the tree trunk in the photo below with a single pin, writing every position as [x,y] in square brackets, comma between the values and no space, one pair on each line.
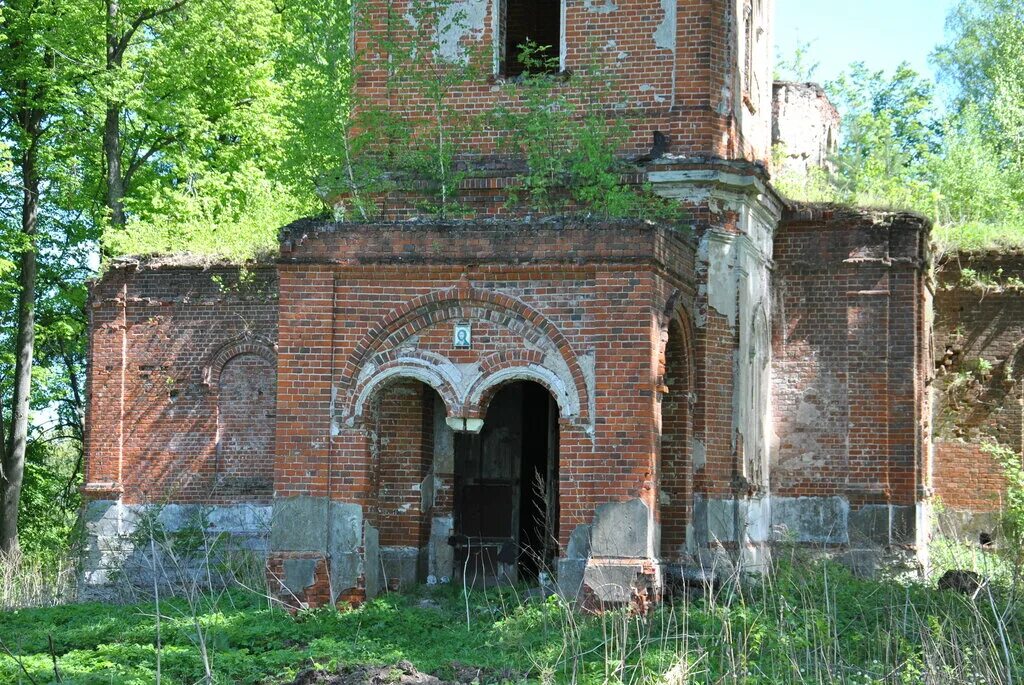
[14,457]
[112,124]
[112,152]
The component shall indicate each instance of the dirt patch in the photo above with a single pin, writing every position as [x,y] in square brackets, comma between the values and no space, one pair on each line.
[404,673]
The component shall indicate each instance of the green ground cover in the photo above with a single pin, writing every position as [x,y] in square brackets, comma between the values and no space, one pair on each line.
[814,624]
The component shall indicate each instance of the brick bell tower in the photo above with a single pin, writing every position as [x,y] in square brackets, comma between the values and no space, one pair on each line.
[537,397]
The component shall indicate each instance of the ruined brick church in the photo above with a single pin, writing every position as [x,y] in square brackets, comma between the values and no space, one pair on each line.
[607,403]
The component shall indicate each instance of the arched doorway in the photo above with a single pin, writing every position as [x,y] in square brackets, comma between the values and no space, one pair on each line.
[411,478]
[506,489]
[675,472]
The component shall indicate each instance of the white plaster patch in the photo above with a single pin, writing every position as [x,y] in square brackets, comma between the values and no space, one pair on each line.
[665,34]
[698,454]
[460,19]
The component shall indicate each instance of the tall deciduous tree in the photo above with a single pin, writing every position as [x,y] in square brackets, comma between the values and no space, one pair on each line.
[43,52]
[984,63]
[200,128]
[123,24]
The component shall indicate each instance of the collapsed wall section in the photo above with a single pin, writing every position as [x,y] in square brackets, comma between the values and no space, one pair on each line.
[979,350]
[181,410]
[805,129]
[850,371]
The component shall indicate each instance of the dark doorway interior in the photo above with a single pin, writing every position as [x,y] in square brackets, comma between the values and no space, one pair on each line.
[538,497]
[506,485]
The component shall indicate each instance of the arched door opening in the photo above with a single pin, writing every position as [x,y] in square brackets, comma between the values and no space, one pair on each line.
[407,422]
[675,477]
[506,489]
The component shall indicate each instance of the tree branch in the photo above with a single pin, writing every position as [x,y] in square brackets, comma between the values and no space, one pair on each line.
[144,16]
[139,160]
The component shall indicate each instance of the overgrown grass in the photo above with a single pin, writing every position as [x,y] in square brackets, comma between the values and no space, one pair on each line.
[951,234]
[979,237]
[808,623]
[36,580]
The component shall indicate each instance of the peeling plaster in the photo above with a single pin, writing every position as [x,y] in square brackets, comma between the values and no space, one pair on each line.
[665,34]
[716,250]
[461,20]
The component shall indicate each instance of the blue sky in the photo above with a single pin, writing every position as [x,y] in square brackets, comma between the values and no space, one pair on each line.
[881,33]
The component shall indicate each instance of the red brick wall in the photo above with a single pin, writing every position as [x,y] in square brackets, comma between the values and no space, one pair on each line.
[171,350]
[690,91]
[967,479]
[404,425]
[850,356]
[350,294]
[979,315]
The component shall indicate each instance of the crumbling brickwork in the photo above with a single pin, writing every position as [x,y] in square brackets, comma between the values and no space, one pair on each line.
[677,65]
[805,129]
[851,361]
[181,415]
[979,350]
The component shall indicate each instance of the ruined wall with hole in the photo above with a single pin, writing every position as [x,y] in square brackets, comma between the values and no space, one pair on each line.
[181,404]
[851,361]
[979,386]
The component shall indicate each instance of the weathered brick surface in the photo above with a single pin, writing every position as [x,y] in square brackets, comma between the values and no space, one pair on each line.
[979,315]
[967,478]
[851,356]
[677,67]
[182,385]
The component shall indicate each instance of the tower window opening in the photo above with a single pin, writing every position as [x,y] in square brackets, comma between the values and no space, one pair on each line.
[530,37]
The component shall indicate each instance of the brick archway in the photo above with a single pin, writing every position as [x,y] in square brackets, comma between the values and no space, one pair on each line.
[527,365]
[230,350]
[383,344]
[675,468]
[408,365]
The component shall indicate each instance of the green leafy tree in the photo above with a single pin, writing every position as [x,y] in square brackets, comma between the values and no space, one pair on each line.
[44,60]
[569,132]
[200,128]
[324,153]
[961,164]
[890,132]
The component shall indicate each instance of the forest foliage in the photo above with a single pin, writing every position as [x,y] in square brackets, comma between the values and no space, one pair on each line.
[952,150]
